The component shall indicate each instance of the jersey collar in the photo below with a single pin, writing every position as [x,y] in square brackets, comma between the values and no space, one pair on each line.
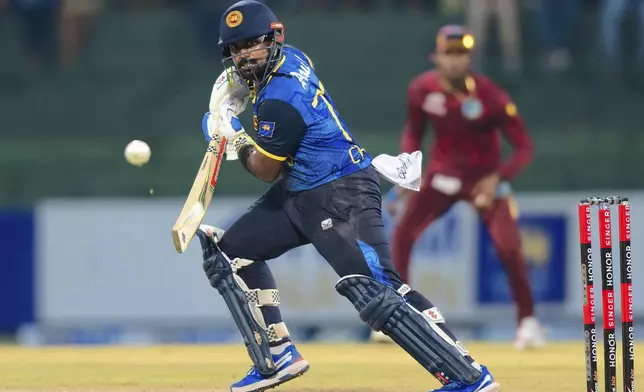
[470,86]
[256,91]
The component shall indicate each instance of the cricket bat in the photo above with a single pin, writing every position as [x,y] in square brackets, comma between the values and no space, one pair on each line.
[200,194]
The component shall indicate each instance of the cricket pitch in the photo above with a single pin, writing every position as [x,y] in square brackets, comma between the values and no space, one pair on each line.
[340,367]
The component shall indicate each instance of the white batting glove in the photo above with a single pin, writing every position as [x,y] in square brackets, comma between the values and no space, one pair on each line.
[228,99]
[230,91]
[232,129]
[226,124]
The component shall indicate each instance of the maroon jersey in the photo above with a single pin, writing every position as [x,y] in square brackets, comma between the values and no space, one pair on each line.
[467,127]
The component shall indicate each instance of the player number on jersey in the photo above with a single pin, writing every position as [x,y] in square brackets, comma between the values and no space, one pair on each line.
[303,75]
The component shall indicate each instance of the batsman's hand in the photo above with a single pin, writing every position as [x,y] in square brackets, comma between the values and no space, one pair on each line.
[208,237]
[228,99]
[230,91]
[224,123]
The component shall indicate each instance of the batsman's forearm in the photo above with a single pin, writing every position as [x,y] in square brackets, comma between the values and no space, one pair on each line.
[247,156]
[244,157]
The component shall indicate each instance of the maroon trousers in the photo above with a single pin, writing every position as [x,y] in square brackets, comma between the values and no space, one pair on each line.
[427,205]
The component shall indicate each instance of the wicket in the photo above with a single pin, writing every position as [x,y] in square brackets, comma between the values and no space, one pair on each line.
[608,292]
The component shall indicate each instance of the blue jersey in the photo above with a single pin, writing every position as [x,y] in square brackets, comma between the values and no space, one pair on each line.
[297,123]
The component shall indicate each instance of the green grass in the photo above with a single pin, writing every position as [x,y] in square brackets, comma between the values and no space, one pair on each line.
[559,367]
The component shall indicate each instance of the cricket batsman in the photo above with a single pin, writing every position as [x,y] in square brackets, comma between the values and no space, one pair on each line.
[469,114]
[326,193]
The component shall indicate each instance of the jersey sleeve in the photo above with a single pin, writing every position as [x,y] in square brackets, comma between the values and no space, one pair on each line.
[413,132]
[516,133]
[280,129]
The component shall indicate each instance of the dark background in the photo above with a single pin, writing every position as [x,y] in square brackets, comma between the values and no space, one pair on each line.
[79,79]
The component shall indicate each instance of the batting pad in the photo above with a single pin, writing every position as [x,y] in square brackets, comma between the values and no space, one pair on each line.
[244,304]
[383,309]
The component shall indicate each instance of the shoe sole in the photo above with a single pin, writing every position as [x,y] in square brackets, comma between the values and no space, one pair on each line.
[294,371]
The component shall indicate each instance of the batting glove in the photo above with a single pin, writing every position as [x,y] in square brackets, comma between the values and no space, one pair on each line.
[227,124]
[230,91]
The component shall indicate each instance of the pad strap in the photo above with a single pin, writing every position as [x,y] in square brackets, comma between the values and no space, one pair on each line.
[259,298]
[238,263]
[277,332]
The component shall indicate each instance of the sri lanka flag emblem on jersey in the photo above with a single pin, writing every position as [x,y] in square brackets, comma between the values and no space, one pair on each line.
[265,128]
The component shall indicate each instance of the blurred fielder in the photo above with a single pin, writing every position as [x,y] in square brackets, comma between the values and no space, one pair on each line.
[326,192]
[469,115]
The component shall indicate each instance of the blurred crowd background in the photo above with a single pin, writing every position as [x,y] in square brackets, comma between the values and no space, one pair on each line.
[80,78]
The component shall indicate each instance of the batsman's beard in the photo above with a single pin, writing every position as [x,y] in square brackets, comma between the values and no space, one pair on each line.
[251,69]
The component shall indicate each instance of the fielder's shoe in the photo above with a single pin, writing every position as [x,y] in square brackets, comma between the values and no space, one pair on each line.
[485,383]
[290,365]
[530,334]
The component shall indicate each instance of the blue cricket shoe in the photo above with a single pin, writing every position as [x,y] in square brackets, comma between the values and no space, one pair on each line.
[485,383]
[290,365]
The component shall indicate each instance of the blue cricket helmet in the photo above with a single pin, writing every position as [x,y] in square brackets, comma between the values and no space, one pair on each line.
[244,20]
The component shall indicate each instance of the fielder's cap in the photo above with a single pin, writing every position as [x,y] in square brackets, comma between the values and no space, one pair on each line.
[246,19]
[454,37]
